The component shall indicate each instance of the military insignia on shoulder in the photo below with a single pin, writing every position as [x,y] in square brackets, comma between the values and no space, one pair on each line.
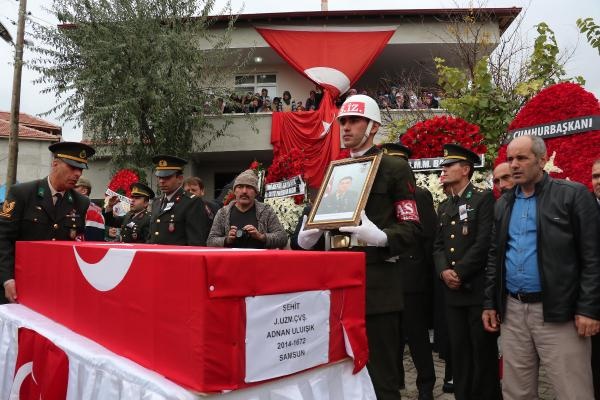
[7,209]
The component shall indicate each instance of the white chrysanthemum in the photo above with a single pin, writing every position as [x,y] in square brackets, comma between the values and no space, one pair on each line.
[287,211]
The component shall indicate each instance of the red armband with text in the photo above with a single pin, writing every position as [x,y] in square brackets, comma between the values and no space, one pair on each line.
[406,210]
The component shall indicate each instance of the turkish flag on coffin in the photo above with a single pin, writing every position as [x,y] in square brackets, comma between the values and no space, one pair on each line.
[334,58]
[42,369]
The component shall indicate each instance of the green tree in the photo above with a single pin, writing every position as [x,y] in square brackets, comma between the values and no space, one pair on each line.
[478,95]
[139,75]
[591,30]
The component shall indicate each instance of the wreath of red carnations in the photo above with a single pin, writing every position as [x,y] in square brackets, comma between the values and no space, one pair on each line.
[286,166]
[427,138]
[122,180]
[575,154]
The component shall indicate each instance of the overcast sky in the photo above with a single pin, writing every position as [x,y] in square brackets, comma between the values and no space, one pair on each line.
[559,14]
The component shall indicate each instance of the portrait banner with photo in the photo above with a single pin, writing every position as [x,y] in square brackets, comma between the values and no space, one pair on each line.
[343,193]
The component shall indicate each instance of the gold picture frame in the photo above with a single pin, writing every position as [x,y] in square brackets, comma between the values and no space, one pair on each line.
[343,193]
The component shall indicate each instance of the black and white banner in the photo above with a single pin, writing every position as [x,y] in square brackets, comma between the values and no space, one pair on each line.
[560,128]
[291,187]
[433,164]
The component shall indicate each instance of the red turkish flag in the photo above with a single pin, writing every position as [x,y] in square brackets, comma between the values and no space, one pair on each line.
[42,369]
[334,58]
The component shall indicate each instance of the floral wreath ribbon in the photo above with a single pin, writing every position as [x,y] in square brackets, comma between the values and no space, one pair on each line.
[565,127]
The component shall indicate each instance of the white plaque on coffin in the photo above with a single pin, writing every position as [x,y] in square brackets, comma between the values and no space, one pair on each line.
[286,333]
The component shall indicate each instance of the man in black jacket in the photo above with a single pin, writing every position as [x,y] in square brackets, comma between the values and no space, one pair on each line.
[543,278]
[46,209]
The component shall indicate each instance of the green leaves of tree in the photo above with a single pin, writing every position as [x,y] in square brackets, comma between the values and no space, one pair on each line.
[591,30]
[480,101]
[139,75]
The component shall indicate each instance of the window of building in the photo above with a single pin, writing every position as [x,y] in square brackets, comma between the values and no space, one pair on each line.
[255,83]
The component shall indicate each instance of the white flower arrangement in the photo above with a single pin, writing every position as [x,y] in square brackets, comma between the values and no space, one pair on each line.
[431,182]
[287,211]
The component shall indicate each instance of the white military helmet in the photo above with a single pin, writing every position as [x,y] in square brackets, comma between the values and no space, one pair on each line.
[362,106]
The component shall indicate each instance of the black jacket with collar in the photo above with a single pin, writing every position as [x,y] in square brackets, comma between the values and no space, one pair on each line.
[29,214]
[182,222]
[568,249]
[462,242]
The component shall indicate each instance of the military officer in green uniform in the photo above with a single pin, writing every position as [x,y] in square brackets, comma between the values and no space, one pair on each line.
[177,217]
[135,225]
[389,227]
[460,252]
[45,209]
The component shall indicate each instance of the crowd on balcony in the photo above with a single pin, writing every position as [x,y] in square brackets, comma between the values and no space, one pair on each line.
[393,98]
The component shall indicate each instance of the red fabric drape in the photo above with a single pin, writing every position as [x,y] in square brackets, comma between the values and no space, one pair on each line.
[334,58]
[316,133]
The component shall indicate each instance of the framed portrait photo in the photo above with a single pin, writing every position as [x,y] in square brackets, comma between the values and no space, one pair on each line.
[343,193]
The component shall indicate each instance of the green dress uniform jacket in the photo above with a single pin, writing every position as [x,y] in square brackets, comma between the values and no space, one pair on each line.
[135,226]
[182,221]
[392,192]
[28,213]
[462,243]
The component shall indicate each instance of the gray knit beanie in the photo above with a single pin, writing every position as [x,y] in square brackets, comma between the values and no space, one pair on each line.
[248,177]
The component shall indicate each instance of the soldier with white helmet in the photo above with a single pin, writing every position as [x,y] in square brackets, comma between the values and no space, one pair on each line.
[389,226]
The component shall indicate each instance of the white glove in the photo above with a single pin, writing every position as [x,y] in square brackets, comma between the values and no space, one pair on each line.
[367,232]
[308,238]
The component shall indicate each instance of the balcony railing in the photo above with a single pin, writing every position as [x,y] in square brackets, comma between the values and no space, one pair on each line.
[253,132]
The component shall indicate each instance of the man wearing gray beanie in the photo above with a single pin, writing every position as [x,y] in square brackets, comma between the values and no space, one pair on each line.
[246,222]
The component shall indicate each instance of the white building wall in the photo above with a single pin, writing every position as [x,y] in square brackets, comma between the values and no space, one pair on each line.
[33,161]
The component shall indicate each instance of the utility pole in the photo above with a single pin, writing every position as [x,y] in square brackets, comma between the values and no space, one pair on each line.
[13,141]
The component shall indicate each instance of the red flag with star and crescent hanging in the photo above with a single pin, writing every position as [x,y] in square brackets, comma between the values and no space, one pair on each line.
[334,58]
[42,369]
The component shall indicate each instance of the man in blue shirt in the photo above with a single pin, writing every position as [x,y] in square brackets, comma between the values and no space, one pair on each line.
[543,278]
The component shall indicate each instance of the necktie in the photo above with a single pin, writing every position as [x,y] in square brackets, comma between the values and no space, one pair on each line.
[58,200]
[57,204]
[455,199]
